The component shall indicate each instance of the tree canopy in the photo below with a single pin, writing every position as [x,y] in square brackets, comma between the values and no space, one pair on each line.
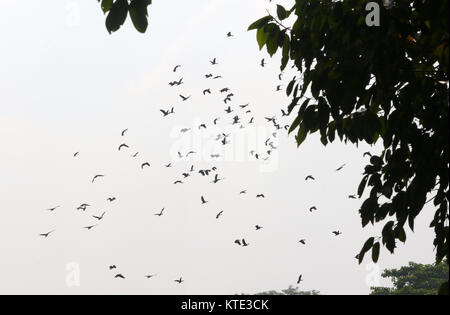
[290,291]
[386,84]
[414,279]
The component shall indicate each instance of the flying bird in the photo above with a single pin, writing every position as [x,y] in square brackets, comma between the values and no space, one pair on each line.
[184,98]
[244,243]
[123,145]
[216,179]
[312,209]
[309,177]
[263,63]
[90,227]
[167,112]
[99,217]
[96,177]
[260,196]
[302,242]
[203,200]
[300,279]
[146,164]
[150,276]
[111,199]
[206,91]
[76,154]
[179,281]
[124,132]
[229,34]
[340,167]
[258,227]
[214,62]
[337,233]
[53,209]
[119,276]
[219,215]
[160,214]
[112,267]
[176,68]
[45,235]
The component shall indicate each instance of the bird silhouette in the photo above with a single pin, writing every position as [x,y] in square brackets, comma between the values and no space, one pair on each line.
[368,154]
[352,197]
[135,155]
[146,164]
[124,132]
[160,214]
[184,98]
[238,242]
[258,227]
[203,200]
[168,165]
[302,242]
[119,276]
[216,179]
[214,62]
[217,77]
[96,177]
[99,217]
[283,113]
[340,167]
[207,91]
[176,68]
[261,196]
[224,90]
[90,227]
[112,267]
[53,209]
[178,182]
[243,192]
[167,112]
[202,126]
[263,63]
[208,76]
[83,207]
[312,209]
[46,235]
[279,88]
[219,215]
[337,233]
[309,177]
[150,276]
[229,34]
[300,279]
[204,172]
[179,281]
[112,199]
[123,145]
[76,154]
[244,243]
[216,120]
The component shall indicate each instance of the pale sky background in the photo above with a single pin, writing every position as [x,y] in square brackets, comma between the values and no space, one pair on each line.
[67,86]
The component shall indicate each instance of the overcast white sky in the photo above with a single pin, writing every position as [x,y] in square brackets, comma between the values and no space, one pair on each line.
[68,86]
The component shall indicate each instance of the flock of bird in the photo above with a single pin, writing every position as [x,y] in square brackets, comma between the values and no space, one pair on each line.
[240,116]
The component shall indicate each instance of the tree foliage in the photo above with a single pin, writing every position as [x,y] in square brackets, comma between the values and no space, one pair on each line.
[366,84]
[290,291]
[386,83]
[117,12]
[414,279]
